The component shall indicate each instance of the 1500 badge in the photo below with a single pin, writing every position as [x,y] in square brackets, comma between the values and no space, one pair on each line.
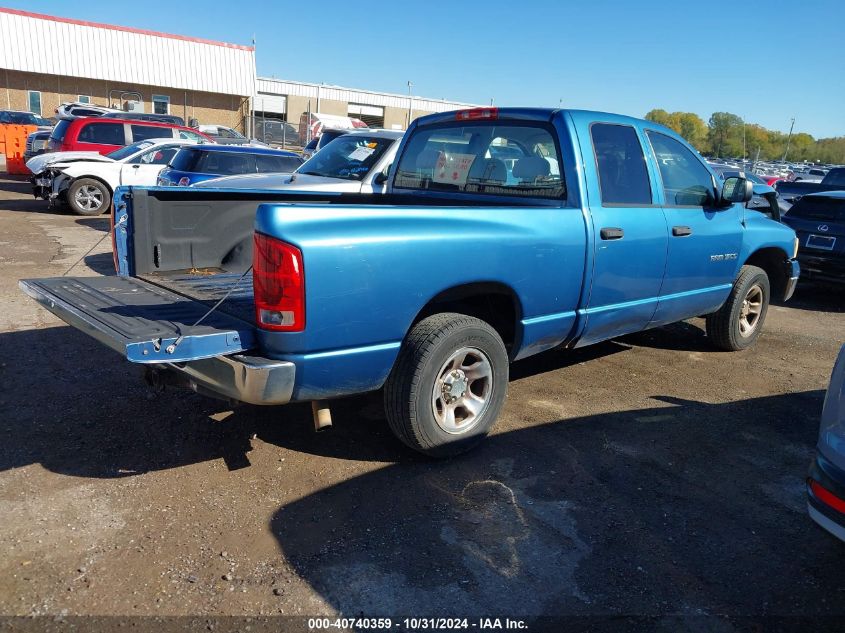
[721,258]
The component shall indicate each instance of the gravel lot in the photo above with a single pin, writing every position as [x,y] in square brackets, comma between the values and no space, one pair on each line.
[646,476]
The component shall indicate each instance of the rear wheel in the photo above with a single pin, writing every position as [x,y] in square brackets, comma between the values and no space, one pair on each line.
[87,196]
[448,385]
[738,323]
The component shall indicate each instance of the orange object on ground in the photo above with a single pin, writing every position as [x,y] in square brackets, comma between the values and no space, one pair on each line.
[16,146]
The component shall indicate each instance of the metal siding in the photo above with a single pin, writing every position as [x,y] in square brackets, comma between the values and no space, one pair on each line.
[54,47]
[351,95]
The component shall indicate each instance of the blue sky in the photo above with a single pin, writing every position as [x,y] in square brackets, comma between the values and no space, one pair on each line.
[766,62]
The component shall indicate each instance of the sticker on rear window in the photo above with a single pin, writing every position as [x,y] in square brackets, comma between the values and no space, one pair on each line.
[362,153]
[452,169]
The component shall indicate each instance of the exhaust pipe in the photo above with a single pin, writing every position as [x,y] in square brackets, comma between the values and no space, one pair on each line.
[322,415]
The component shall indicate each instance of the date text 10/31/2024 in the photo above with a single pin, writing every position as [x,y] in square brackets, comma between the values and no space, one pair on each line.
[416,624]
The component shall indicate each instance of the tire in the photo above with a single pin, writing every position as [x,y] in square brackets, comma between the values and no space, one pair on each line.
[738,323]
[87,196]
[426,393]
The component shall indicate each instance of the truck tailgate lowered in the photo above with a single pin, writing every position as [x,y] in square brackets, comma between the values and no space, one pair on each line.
[144,322]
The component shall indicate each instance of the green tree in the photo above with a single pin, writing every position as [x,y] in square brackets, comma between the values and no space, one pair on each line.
[687,124]
[801,147]
[664,118]
[725,129]
[693,128]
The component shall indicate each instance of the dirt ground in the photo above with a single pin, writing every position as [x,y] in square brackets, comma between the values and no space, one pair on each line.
[648,476]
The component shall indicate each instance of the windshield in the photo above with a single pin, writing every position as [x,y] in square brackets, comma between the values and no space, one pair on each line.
[347,157]
[123,152]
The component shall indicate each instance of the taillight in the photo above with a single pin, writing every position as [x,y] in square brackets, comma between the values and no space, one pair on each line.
[475,114]
[278,282]
[184,181]
[826,496]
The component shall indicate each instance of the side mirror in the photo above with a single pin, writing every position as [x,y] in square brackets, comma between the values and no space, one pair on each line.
[380,178]
[736,190]
[193,123]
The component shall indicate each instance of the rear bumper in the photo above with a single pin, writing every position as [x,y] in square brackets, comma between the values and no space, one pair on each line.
[831,479]
[247,379]
[793,271]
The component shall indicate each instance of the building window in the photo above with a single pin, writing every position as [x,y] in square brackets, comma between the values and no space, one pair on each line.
[161,104]
[84,99]
[35,102]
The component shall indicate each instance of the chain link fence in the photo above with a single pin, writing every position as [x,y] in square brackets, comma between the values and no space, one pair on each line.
[274,132]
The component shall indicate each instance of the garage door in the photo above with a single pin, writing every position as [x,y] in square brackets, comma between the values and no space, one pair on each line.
[371,115]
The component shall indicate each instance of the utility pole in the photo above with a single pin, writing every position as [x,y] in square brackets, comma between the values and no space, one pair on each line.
[743,139]
[410,103]
[788,138]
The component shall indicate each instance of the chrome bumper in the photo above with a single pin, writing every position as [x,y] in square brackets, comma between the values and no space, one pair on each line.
[793,270]
[244,378]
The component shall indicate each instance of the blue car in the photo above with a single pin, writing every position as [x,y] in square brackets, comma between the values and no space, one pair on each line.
[204,162]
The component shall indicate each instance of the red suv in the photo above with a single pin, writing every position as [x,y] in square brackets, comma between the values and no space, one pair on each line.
[93,134]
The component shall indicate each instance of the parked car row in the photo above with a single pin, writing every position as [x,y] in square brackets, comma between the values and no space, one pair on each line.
[355,161]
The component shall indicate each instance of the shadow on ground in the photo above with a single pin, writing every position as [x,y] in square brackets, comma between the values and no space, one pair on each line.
[683,508]
[686,508]
[818,297]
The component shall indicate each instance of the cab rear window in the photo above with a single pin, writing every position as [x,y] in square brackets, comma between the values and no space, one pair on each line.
[483,158]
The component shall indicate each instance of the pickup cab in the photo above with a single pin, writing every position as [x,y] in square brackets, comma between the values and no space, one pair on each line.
[834,180]
[504,233]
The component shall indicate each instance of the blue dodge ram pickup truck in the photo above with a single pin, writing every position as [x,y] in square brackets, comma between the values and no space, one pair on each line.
[504,233]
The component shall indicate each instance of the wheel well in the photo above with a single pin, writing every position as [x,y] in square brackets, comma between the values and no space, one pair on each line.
[493,303]
[771,260]
[100,180]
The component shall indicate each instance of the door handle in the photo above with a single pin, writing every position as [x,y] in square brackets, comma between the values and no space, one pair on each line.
[681,231]
[611,233]
[135,166]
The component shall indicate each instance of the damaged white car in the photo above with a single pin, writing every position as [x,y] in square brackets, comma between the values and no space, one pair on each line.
[87,180]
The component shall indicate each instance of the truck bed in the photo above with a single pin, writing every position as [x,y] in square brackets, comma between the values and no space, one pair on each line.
[208,286]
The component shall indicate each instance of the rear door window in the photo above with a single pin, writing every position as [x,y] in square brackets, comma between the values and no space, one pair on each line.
[483,158]
[159,156]
[623,176]
[102,133]
[144,132]
[225,163]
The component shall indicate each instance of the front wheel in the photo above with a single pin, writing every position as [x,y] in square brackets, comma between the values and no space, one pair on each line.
[87,196]
[448,385]
[738,323]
